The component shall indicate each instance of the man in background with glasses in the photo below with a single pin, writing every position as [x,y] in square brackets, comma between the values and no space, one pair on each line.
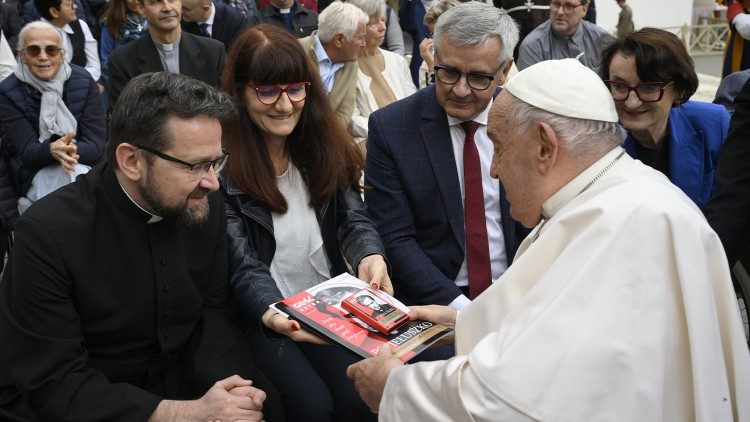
[114,304]
[444,221]
[565,35]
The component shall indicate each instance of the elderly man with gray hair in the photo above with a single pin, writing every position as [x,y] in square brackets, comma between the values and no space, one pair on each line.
[334,47]
[619,304]
[428,162]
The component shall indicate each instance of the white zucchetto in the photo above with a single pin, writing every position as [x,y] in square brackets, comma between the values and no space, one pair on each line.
[565,87]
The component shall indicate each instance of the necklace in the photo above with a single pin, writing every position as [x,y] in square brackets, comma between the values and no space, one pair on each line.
[585,188]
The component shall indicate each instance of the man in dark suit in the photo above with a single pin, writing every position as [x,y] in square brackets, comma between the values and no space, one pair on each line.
[165,47]
[288,14]
[419,169]
[212,20]
[115,302]
[728,210]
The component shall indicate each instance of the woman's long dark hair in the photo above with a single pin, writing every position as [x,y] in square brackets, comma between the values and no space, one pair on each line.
[319,146]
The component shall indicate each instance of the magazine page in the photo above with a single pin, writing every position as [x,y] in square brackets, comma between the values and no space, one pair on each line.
[319,310]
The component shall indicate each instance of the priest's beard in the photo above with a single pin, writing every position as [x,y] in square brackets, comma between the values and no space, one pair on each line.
[182,214]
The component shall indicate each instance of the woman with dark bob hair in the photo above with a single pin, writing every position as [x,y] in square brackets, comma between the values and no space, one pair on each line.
[652,77]
[295,217]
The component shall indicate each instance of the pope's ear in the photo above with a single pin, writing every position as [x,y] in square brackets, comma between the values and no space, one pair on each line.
[129,161]
[547,148]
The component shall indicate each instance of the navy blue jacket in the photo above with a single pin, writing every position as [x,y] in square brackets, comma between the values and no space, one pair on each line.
[415,199]
[19,121]
[696,132]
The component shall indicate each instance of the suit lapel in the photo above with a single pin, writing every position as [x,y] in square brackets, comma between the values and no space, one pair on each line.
[437,141]
[220,24]
[685,141]
[148,56]
[343,79]
[191,63]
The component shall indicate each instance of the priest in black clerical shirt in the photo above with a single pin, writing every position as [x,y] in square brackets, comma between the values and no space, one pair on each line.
[114,304]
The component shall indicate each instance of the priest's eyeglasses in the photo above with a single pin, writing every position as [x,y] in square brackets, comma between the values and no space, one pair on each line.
[196,170]
[50,50]
[566,7]
[269,94]
[649,92]
[476,80]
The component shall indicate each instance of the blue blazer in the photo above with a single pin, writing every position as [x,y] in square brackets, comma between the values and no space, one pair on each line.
[415,199]
[696,133]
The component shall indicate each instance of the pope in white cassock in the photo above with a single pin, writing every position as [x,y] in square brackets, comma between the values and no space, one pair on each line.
[619,304]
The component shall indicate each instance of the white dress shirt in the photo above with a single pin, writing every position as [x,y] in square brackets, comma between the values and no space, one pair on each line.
[91,48]
[491,188]
[210,21]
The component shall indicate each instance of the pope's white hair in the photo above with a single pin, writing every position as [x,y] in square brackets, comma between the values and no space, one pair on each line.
[473,23]
[581,137]
[36,25]
[340,18]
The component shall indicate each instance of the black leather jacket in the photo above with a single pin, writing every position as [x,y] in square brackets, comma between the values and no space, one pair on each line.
[348,236]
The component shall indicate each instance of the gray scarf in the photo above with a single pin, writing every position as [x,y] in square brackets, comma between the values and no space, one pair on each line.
[54,116]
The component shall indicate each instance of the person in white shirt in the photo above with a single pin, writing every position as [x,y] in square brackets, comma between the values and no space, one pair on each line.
[79,44]
[7,59]
[619,304]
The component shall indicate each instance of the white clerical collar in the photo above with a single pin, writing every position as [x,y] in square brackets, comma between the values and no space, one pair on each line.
[153,219]
[167,47]
[573,188]
[480,118]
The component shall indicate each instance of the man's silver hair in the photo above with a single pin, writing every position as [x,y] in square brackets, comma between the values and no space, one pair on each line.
[473,23]
[581,137]
[373,8]
[340,18]
[36,25]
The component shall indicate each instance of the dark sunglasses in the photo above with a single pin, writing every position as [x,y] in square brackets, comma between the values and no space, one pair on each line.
[35,50]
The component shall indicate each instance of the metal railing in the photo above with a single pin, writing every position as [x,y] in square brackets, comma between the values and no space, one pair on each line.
[702,39]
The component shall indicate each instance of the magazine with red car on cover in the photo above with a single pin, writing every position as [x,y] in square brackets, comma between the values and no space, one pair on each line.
[318,309]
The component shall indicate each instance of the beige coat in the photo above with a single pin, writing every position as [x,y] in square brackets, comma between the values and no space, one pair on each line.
[344,84]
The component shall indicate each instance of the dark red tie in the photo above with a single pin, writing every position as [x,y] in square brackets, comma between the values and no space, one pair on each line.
[477,245]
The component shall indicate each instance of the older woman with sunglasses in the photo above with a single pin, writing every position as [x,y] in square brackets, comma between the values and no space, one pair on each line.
[51,117]
[651,77]
[295,217]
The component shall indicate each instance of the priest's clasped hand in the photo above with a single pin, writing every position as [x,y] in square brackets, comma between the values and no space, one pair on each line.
[230,399]
[370,376]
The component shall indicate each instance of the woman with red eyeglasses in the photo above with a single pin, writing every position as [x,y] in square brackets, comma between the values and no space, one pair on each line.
[51,117]
[652,77]
[295,217]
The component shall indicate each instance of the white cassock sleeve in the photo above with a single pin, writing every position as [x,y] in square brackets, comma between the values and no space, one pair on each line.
[442,391]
